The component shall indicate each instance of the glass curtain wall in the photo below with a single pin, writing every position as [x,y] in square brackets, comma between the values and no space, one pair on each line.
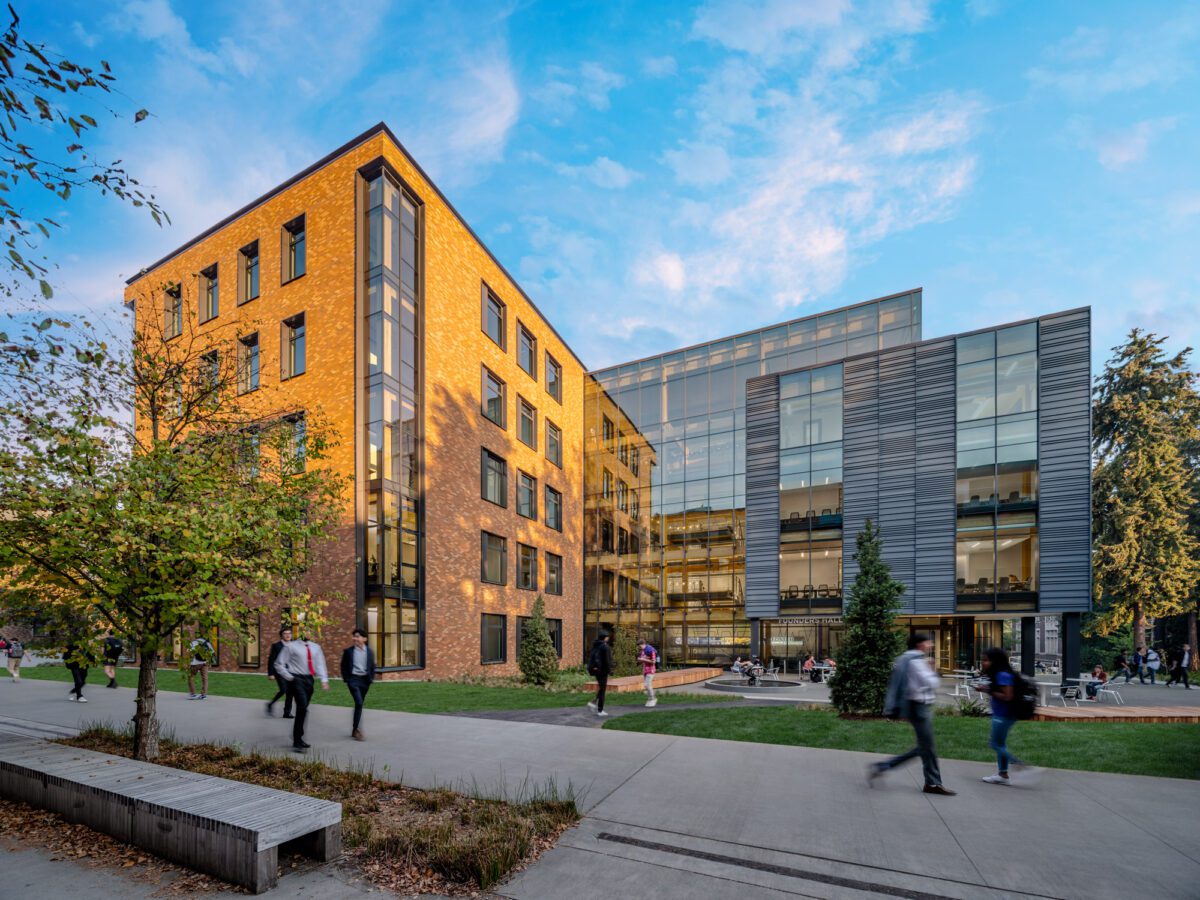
[810,491]
[682,581]
[996,546]
[393,614]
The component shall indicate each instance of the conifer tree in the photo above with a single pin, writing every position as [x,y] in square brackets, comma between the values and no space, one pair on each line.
[1146,416]
[538,660]
[872,642]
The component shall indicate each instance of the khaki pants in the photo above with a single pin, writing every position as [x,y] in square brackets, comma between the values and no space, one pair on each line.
[648,684]
[202,671]
[14,667]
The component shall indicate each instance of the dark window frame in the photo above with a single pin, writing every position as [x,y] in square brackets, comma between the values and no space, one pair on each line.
[287,343]
[485,375]
[173,311]
[555,633]
[483,628]
[522,406]
[550,426]
[524,332]
[532,585]
[293,234]
[484,455]
[533,495]
[554,556]
[245,342]
[257,664]
[546,502]
[245,254]
[210,293]
[483,557]
[487,294]
[553,365]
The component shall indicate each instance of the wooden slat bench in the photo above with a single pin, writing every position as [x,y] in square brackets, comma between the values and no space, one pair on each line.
[224,828]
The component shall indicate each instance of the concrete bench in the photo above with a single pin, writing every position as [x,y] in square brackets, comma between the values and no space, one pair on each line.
[224,828]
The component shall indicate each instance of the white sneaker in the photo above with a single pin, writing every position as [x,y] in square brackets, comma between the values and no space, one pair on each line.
[591,704]
[996,779]
[653,702]
[602,714]
[83,699]
[193,696]
[71,697]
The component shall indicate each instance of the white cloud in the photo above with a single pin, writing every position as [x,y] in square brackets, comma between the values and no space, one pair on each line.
[659,66]
[1119,149]
[665,270]
[767,27]
[699,164]
[591,84]
[603,172]
[950,122]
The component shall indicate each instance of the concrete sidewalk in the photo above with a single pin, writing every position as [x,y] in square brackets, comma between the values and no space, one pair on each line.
[686,817]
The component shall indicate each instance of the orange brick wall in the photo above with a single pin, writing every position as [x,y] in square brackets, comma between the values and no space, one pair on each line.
[455,347]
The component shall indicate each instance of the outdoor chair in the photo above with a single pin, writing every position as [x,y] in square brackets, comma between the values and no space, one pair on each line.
[1113,689]
[1068,692]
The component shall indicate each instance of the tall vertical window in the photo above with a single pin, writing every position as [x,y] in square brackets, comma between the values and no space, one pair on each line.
[527,350]
[622,496]
[494,562]
[553,378]
[248,363]
[248,645]
[493,638]
[173,311]
[553,443]
[610,435]
[996,547]
[299,442]
[210,294]
[527,424]
[494,478]
[493,398]
[208,382]
[635,460]
[553,628]
[553,509]
[494,321]
[554,574]
[623,449]
[248,272]
[295,254]
[292,355]
[526,495]
[526,567]
[606,484]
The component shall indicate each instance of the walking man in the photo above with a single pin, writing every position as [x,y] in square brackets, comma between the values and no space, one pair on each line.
[358,671]
[299,662]
[1153,663]
[1121,667]
[1179,671]
[1138,661]
[77,665]
[648,657]
[113,647]
[910,694]
[285,635]
[600,663]
[202,654]
[15,651]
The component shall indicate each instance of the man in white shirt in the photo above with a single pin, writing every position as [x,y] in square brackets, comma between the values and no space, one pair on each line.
[911,692]
[298,663]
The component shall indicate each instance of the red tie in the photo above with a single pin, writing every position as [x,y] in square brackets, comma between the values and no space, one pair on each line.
[308,650]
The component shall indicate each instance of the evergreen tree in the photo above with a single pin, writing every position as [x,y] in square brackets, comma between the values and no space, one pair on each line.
[872,642]
[538,660]
[625,652]
[1146,431]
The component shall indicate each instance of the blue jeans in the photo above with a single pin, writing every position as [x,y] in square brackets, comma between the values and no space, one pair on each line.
[999,742]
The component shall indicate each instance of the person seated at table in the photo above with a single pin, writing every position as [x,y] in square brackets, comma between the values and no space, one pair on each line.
[739,666]
[831,663]
[1099,679]
[809,667]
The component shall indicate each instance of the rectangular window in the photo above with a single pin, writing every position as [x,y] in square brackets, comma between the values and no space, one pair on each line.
[553,509]
[526,567]
[623,449]
[635,507]
[553,626]
[248,651]
[494,479]
[553,443]
[610,435]
[526,496]
[173,312]
[527,350]
[494,317]
[248,273]
[622,496]
[493,639]
[606,536]
[554,574]
[294,255]
[493,398]
[635,460]
[494,564]
[622,541]
[298,442]
[292,358]
[208,379]
[553,378]
[607,484]
[248,363]
[210,294]
[527,425]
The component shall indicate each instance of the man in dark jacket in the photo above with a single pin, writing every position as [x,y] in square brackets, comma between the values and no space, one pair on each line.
[358,671]
[600,664]
[285,635]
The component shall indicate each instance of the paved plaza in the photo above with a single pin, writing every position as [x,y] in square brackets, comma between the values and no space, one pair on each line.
[687,817]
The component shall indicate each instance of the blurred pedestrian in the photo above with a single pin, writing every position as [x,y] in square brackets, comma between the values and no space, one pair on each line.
[202,654]
[1179,666]
[648,657]
[1121,667]
[1153,663]
[600,664]
[300,662]
[911,692]
[285,635]
[1002,685]
[113,648]
[358,672]
[14,651]
[77,664]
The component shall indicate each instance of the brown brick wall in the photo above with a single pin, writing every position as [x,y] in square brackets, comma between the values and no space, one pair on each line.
[455,348]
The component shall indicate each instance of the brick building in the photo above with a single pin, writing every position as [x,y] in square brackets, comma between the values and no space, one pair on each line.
[357,292]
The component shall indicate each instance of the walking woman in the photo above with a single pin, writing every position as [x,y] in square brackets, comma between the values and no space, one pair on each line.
[1002,684]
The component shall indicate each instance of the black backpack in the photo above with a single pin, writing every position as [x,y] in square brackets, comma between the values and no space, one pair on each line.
[1025,698]
[596,659]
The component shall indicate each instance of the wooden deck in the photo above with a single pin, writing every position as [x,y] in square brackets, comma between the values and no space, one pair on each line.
[1098,712]
[630,683]
[226,828]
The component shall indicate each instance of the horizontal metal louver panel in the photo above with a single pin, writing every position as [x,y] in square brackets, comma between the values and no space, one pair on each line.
[860,456]
[933,591]
[762,497]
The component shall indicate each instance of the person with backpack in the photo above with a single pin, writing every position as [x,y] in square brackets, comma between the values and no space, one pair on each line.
[113,648]
[77,661]
[1009,705]
[600,664]
[15,651]
[202,654]
[911,692]
[648,657]
[1180,662]
[1153,663]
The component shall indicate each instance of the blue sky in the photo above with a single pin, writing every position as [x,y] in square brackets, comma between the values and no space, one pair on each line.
[656,174]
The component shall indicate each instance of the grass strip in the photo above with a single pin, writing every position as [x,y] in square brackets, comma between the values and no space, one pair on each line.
[1168,750]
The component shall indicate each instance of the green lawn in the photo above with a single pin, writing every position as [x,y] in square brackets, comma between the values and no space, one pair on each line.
[1170,750]
[407,696]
